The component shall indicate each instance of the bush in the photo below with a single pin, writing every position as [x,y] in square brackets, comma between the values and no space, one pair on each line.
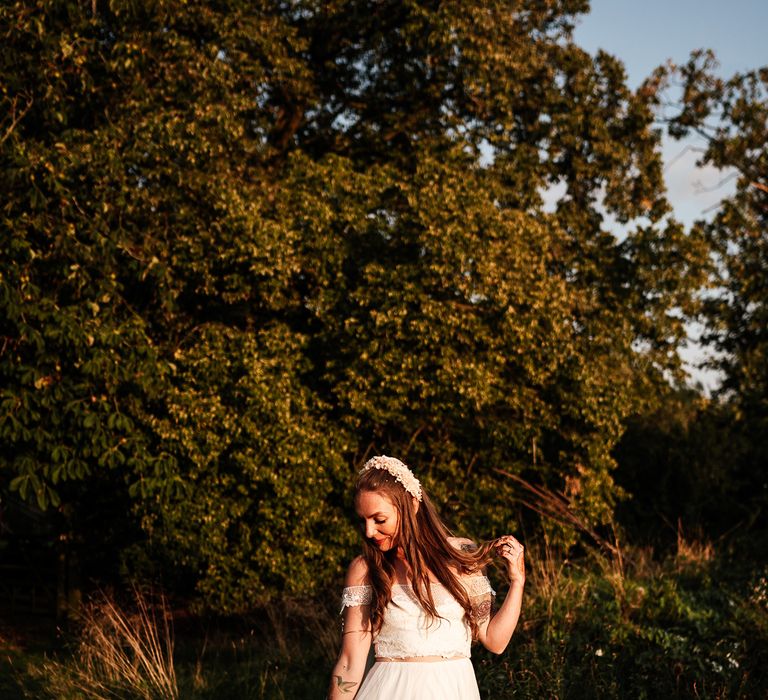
[680,628]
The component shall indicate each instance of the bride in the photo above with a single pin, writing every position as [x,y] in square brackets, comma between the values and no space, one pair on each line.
[419,595]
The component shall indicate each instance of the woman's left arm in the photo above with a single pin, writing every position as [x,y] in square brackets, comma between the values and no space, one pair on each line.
[496,631]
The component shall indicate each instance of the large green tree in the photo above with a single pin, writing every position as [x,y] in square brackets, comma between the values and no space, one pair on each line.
[252,243]
[730,118]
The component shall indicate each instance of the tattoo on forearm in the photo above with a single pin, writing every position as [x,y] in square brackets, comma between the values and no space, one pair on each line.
[344,686]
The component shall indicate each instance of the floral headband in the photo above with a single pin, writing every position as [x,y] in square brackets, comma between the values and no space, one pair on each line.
[397,469]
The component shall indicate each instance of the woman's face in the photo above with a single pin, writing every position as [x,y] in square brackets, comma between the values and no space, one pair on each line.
[378,518]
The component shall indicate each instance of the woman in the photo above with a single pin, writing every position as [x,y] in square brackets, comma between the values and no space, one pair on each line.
[419,595]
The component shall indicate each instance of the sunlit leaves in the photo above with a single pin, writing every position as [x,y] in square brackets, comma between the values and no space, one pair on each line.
[253,242]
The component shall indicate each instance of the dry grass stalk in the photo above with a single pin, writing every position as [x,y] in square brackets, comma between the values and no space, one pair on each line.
[320,624]
[546,573]
[693,551]
[557,507]
[120,654]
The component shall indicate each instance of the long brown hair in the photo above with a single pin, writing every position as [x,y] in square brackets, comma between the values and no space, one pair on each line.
[423,538]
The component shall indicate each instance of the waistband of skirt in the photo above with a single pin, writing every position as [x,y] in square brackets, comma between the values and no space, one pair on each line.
[420,659]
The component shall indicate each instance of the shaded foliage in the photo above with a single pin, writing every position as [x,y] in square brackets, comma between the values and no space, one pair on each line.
[686,629]
[681,465]
[731,117]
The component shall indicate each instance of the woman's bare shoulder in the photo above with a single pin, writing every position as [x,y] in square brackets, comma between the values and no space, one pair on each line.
[357,573]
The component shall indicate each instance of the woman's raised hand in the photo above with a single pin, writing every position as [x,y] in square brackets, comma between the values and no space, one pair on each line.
[509,548]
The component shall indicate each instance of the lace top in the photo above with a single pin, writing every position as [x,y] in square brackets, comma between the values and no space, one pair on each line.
[407,631]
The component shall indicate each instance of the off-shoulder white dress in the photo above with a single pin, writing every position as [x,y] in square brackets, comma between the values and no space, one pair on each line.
[407,632]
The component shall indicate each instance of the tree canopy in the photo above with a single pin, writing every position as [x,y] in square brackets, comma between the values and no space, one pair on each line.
[251,243]
[730,116]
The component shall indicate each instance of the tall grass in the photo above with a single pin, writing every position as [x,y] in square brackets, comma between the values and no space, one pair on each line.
[690,625]
[121,653]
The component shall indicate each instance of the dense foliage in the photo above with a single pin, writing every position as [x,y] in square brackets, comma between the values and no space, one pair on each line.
[732,116]
[250,243]
[708,458]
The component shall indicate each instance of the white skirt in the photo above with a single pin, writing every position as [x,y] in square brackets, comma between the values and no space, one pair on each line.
[452,679]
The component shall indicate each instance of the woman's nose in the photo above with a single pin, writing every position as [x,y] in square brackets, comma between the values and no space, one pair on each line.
[369,530]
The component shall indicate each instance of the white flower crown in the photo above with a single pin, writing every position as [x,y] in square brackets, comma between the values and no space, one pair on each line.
[397,469]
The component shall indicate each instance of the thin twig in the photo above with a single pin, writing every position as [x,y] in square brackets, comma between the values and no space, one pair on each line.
[557,507]
[14,118]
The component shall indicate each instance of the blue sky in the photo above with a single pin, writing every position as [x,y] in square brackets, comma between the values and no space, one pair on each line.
[647,33]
